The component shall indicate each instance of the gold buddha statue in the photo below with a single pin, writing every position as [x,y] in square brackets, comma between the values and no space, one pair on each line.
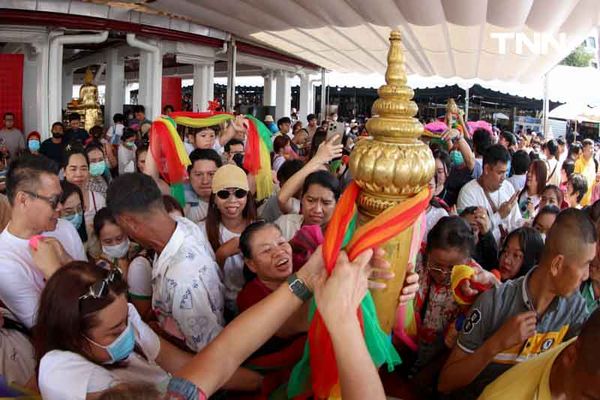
[87,105]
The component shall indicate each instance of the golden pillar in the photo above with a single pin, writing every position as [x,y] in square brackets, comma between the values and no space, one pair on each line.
[391,167]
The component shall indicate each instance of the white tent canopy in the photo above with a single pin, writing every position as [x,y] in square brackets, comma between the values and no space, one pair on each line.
[486,39]
[565,85]
[570,111]
[576,112]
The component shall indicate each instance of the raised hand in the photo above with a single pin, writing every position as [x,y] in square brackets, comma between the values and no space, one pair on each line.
[339,296]
[507,206]
[49,256]
[327,151]
[411,285]
[515,331]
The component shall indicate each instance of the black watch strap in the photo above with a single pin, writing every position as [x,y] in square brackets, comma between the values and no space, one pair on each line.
[298,288]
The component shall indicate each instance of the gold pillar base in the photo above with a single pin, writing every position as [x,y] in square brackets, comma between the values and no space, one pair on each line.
[387,300]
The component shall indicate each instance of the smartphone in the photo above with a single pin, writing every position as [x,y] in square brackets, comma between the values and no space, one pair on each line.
[335,128]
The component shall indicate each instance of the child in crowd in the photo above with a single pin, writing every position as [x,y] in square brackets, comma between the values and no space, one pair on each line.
[126,153]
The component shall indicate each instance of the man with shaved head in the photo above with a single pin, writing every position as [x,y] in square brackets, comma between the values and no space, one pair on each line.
[526,317]
[571,371]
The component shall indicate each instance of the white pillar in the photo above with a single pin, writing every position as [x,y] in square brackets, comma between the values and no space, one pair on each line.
[67,87]
[55,67]
[323,95]
[284,95]
[211,83]
[42,103]
[145,80]
[307,104]
[150,75]
[115,85]
[35,89]
[231,73]
[269,89]
[204,80]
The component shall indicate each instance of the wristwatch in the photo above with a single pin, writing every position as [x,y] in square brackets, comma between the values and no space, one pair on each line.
[298,288]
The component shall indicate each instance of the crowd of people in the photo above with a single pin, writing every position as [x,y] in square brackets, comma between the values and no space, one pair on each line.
[112,289]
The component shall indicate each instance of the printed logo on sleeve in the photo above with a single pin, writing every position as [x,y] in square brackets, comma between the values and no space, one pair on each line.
[472,320]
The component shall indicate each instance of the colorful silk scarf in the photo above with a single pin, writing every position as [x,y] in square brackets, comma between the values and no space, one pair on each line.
[316,373]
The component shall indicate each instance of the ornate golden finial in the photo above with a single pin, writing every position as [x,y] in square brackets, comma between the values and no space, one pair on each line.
[391,167]
[88,78]
[394,164]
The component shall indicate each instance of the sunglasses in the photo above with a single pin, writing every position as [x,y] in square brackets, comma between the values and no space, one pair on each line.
[52,201]
[99,289]
[239,193]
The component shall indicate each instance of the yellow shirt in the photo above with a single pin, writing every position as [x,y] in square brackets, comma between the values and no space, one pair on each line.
[527,380]
[588,170]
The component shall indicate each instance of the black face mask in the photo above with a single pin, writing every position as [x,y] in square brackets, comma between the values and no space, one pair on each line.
[57,135]
[238,159]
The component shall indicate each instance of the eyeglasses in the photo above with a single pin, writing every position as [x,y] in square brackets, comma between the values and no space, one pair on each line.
[444,273]
[239,193]
[99,289]
[440,271]
[52,201]
[70,211]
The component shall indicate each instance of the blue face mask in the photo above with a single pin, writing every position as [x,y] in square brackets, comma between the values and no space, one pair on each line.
[74,219]
[456,158]
[97,168]
[121,347]
[33,144]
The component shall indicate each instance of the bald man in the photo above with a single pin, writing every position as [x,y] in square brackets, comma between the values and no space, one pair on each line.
[570,371]
[523,318]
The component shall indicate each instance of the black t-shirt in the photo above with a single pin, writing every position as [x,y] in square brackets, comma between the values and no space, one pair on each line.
[457,178]
[78,135]
[54,151]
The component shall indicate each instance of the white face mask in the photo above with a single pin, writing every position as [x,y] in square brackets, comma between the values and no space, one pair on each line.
[117,250]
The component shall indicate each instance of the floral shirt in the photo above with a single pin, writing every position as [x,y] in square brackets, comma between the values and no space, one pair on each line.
[437,312]
[187,292]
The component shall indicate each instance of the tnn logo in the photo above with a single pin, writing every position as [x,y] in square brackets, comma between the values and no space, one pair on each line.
[538,44]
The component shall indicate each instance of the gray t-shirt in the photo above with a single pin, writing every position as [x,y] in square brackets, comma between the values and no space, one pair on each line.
[561,321]
[270,211]
[13,139]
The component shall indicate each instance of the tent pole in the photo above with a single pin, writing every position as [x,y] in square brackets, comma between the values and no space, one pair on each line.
[545,106]
[466,104]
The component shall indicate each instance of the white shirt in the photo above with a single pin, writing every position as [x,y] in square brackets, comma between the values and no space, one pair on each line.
[126,159]
[187,293]
[114,133]
[139,278]
[472,194]
[434,214]
[518,181]
[21,282]
[553,178]
[188,147]
[65,375]
[96,201]
[233,270]
[289,134]
[218,148]
[289,225]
